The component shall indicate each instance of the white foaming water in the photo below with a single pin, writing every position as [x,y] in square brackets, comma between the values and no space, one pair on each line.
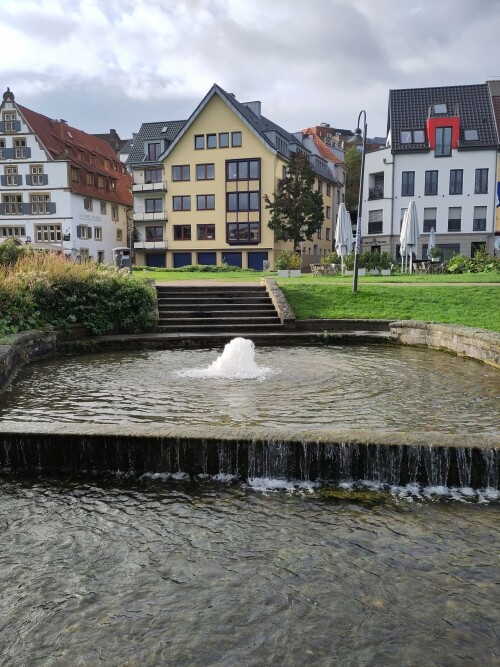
[237,362]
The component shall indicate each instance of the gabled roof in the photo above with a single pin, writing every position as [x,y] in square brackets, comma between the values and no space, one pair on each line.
[58,138]
[165,131]
[258,124]
[409,110]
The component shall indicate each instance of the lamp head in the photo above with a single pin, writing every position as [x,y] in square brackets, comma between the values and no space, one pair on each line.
[357,138]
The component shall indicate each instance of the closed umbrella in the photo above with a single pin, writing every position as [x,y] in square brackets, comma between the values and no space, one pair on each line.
[403,236]
[343,234]
[432,241]
[413,232]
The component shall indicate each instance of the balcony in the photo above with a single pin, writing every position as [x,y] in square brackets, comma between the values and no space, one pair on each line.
[142,216]
[156,186]
[150,245]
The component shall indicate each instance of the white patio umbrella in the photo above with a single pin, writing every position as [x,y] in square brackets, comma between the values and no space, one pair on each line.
[403,236]
[343,234]
[413,232]
[432,241]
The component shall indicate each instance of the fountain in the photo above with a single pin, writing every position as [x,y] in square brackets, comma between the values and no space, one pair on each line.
[157,556]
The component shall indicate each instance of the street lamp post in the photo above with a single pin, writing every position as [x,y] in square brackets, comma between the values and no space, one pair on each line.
[359,139]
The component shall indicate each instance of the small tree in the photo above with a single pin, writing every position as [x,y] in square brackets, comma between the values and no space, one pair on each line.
[352,159]
[296,209]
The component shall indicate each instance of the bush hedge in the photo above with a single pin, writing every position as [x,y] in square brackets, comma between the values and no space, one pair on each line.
[48,291]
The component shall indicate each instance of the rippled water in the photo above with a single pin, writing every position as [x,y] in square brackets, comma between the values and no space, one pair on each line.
[150,575]
[322,388]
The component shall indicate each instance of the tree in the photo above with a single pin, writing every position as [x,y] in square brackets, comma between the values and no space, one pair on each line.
[296,209]
[352,160]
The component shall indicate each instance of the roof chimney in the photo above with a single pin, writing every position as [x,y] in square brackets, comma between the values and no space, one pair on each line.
[255,107]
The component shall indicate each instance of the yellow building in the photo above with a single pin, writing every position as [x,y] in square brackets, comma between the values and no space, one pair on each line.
[199,187]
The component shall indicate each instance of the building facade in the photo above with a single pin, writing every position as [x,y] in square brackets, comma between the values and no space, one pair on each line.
[199,187]
[60,189]
[442,153]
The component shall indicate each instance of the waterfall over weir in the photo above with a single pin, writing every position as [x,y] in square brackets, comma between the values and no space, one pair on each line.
[82,450]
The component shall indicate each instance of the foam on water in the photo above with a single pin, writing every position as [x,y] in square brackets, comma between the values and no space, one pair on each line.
[237,362]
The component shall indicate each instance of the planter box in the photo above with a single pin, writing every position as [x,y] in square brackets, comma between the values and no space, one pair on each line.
[295,273]
[374,272]
[289,273]
[361,272]
[385,272]
[348,273]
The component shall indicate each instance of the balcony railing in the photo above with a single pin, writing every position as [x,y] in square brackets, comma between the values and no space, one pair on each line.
[150,245]
[142,216]
[156,186]
[376,192]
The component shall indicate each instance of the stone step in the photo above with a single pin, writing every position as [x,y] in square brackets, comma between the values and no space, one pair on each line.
[182,306]
[222,328]
[221,314]
[212,303]
[222,321]
[230,289]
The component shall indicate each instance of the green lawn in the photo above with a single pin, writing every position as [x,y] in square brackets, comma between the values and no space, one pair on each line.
[477,306]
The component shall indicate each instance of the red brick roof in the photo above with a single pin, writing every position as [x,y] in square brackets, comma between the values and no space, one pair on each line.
[84,152]
[325,151]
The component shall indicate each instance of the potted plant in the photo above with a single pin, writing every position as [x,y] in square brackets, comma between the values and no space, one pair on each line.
[349,264]
[385,263]
[288,264]
[434,253]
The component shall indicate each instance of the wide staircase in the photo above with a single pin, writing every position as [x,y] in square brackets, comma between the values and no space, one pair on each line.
[220,309]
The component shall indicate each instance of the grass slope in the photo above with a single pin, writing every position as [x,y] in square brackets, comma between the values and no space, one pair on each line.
[467,305]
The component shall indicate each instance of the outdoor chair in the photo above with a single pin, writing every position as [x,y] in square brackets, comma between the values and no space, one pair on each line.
[317,269]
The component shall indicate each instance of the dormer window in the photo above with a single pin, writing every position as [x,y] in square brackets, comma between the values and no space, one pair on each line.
[412,137]
[471,135]
[443,142]
[440,108]
[154,150]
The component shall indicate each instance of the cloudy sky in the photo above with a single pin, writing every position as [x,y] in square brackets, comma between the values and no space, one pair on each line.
[117,63]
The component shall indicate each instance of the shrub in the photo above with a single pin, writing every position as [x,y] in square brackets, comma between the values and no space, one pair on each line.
[10,252]
[287,259]
[482,262]
[47,291]
[330,258]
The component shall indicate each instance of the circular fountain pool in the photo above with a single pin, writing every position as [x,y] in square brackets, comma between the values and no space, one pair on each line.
[313,388]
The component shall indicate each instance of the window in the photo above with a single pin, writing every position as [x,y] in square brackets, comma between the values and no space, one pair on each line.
[242,201]
[481,186]
[154,150]
[98,233]
[205,202]
[456,181]
[205,172]
[211,141]
[154,233]
[2,149]
[406,136]
[320,233]
[430,215]
[328,233]
[320,186]
[87,203]
[181,172]
[440,108]
[223,139]
[101,182]
[408,184]
[412,137]
[375,221]
[328,211]
[103,208]
[181,203]
[443,142]
[12,231]
[119,234]
[11,175]
[328,190]
[12,204]
[418,137]
[9,119]
[39,204]
[479,222]
[235,139]
[182,232]
[48,233]
[36,173]
[153,175]
[74,175]
[471,135]
[243,232]
[114,212]
[90,179]
[242,170]
[205,232]
[154,205]
[20,148]
[454,218]
[199,141]
[431,182]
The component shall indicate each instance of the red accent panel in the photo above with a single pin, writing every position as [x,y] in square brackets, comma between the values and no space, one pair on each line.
[449,121]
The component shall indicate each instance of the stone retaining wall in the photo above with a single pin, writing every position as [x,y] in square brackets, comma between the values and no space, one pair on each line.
[18,349]
[284,311]
[465,341]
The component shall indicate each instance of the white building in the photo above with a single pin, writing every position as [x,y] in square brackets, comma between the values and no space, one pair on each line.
[60,188]
[442,153]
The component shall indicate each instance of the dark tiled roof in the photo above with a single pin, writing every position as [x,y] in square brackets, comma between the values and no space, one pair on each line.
[150,132]
[409,109]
